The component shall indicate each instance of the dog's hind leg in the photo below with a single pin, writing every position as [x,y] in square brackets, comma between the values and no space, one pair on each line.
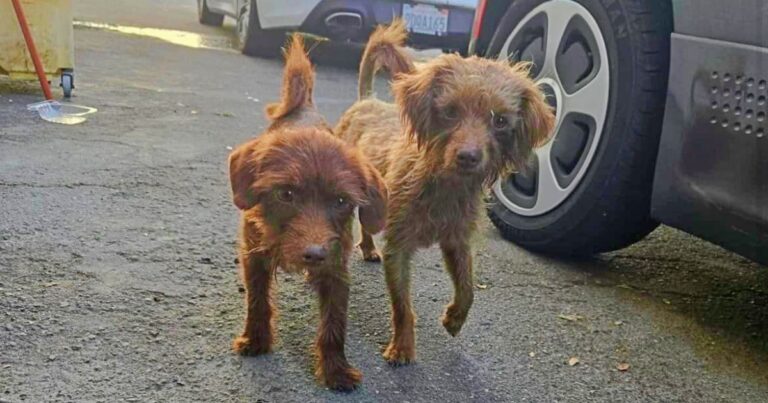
[402,347]
[332,366]
[458,262]
[370,254]
[258,335]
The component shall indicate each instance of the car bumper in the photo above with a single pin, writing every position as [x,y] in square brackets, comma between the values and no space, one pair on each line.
[353,20]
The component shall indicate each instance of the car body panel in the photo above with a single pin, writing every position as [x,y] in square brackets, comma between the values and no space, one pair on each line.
[284,14]
[712,167]
[469,4]
[738,21]
[226,7]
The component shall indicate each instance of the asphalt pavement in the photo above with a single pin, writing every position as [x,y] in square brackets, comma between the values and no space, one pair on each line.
[118,281]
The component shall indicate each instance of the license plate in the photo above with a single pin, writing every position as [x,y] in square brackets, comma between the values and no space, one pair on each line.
[425,19]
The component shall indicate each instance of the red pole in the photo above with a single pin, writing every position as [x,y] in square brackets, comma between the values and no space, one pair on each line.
[32,50]
[477,26]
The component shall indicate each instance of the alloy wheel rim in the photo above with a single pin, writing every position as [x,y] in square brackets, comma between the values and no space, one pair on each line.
[570,63]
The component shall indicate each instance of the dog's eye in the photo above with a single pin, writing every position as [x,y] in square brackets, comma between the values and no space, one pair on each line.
[500,122]
[451,112]
[285,195]
[342,202]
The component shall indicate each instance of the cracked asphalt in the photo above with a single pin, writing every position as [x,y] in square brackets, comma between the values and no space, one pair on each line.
[118,282]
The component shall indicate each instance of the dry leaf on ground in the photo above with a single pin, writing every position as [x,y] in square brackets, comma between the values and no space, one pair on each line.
[623,366]
[570,318]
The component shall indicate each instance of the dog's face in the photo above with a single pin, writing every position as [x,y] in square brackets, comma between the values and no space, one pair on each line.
[475,118]
[300,189]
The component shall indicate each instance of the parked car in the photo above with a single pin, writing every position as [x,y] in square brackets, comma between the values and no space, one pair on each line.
[661,117]
[262,24]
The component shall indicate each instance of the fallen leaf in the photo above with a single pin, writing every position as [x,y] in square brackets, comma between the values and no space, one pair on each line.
[481,286]
[570,318]
[573,361]
[623,366]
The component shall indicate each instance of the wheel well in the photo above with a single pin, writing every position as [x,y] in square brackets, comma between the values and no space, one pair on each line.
[495,10]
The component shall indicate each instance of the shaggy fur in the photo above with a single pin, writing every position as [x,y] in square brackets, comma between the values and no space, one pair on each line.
[457,125]
[298,186]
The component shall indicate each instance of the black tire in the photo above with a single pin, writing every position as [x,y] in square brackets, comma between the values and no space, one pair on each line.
[254,41]
[610,208]
[207,17]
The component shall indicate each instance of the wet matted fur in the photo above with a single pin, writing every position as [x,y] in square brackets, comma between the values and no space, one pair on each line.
[457,125]
[298,186]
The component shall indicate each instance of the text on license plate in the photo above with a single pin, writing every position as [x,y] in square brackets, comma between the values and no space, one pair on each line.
[425,19]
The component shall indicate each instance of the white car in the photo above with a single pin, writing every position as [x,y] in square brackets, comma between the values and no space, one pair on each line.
[262,24]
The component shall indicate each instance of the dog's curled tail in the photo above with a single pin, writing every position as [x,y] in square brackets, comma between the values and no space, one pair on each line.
[384,49]
[298,81]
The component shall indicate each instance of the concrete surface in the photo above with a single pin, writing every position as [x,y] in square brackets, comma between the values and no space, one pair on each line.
[117,280]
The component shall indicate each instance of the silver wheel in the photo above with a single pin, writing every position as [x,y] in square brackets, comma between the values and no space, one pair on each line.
[570,63]
[242,23]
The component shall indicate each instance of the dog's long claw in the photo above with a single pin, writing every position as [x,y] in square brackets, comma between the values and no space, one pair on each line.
[453,321]
[397,356]
[245,346]
[372,257]
[345,380]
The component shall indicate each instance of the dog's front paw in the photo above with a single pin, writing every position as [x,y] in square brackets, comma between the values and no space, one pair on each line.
[250,346]
[372,256]
[453,319]
[344,379]
[399,355]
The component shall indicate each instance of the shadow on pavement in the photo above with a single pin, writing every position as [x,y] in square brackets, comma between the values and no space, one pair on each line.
[716,299]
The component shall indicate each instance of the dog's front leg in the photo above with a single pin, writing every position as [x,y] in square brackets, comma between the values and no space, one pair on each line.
[332,366]
[258,334]
[402,347]
[458,262]
[370,254]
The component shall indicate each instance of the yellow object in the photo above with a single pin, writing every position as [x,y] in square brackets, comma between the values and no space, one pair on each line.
[50,22]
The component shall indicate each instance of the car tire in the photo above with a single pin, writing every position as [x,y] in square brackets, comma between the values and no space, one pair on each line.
[603,202]
[252,39]
[207,17]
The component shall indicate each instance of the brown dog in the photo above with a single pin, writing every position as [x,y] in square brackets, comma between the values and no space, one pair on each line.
[457,125]
[298,186]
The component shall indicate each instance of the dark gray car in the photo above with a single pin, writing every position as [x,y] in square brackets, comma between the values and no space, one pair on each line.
[661,111]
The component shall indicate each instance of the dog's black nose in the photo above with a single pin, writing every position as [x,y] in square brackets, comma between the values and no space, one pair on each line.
[469,158]
[315,254]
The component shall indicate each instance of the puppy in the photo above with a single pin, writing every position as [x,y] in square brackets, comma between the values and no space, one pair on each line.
[457,124]
[297,186]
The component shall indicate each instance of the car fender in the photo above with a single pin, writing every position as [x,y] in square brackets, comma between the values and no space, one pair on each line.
[284,14]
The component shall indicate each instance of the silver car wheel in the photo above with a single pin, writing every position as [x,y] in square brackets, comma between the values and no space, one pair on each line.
[570,63]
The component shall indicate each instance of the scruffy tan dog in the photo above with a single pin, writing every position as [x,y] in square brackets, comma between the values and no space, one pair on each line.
[298,186]
[457,124]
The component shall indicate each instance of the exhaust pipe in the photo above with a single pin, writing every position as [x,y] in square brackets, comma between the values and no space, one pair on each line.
[344,25]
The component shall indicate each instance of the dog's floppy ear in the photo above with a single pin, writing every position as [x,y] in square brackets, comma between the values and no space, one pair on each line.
[242,174]
[415,95]
[537,119]
[373,214]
